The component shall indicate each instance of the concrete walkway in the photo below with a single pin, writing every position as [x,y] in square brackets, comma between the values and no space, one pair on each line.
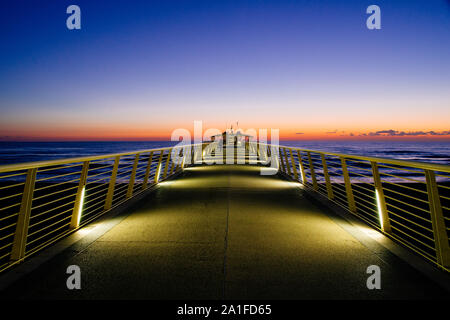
[225,232]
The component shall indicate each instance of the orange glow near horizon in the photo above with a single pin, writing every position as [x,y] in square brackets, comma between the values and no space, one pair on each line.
[163,133]
[299,119]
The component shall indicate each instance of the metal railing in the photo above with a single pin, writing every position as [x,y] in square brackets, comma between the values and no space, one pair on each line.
[41,202]
[407,201]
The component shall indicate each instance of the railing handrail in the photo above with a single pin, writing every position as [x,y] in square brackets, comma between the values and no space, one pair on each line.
[404,163]
[49,163]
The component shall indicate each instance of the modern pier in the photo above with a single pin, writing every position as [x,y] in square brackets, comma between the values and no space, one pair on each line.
[222,232]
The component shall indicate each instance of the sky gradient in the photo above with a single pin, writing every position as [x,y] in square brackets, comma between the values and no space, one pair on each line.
[138,70]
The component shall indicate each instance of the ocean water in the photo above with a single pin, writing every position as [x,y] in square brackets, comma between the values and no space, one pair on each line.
[431,151]
[19,152]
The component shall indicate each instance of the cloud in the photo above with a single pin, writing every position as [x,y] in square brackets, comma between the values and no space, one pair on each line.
[299,133]
[332,132]
[395,133]
[442,133]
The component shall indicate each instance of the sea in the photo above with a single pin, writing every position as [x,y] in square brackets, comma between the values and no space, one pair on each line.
[424,151]
[431,152]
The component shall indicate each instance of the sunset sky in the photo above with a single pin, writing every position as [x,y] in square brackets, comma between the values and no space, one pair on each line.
[140,69]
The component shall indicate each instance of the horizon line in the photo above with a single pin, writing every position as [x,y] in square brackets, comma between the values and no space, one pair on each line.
[337,139]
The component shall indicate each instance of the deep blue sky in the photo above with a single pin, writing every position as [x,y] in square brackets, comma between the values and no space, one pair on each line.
[144,68]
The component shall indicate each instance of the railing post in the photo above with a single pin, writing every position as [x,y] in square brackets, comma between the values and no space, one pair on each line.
[20,236]
[302,169]
[294,167]
[287,162]
[190,157]
[348,187]
[253,154]
[437,220]
[195,154]
[147,171]
[262,154]
[180,165]
[184,159]
[281,160]
[327,177]
[381,202]
[248,153]
[267,154]
[198,154]
[172,166]
[158,167]
[133,176]
[112,184]
[166,167]
[313,173]
[204,152]
[79,199]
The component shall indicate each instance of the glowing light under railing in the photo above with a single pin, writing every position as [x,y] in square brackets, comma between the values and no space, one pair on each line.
[84,231]
[371,232]
[165,183]
[380,215]
[158,172]
[80,208]
[301,173]
[268,171]
[183,161]
[294,184]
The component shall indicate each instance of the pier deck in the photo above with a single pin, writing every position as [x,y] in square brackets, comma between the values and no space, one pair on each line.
[225,232]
